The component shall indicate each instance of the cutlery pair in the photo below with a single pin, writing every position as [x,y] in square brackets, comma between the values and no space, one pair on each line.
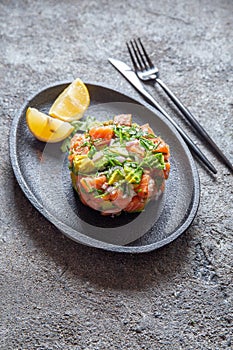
[145,70]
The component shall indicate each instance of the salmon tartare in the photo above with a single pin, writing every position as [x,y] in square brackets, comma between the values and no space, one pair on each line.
[118,166]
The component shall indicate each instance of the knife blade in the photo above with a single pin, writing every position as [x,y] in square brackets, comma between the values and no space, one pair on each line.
[132,77]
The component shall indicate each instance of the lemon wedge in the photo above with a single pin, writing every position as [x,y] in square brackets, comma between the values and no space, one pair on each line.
[46,128]
[71,104]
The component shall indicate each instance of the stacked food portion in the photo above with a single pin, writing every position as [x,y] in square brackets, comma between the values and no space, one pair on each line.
[118,165]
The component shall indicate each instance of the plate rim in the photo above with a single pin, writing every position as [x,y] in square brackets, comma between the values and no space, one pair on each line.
[86,240]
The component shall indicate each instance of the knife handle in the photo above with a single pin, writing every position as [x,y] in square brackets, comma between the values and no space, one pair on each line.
[186,138]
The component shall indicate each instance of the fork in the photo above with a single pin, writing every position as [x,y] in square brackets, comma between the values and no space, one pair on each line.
[148,72]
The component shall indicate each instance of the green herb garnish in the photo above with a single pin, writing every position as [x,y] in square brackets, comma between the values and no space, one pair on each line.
[155,160]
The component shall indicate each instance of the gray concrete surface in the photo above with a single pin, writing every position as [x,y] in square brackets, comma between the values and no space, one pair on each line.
[56,294]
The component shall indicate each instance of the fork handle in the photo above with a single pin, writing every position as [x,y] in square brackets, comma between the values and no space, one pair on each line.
[193,121]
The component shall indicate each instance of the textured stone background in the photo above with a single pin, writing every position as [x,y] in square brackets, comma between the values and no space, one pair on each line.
[56,294]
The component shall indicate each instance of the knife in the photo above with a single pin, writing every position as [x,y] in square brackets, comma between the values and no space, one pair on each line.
[132,77]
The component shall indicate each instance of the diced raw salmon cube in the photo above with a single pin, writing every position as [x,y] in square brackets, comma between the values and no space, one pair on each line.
[123,119]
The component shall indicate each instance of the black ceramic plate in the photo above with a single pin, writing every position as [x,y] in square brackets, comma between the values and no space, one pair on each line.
[42,173]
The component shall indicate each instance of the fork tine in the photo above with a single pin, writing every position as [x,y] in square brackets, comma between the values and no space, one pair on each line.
[140,54]
[146,54]
[134,47]
[132,58]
